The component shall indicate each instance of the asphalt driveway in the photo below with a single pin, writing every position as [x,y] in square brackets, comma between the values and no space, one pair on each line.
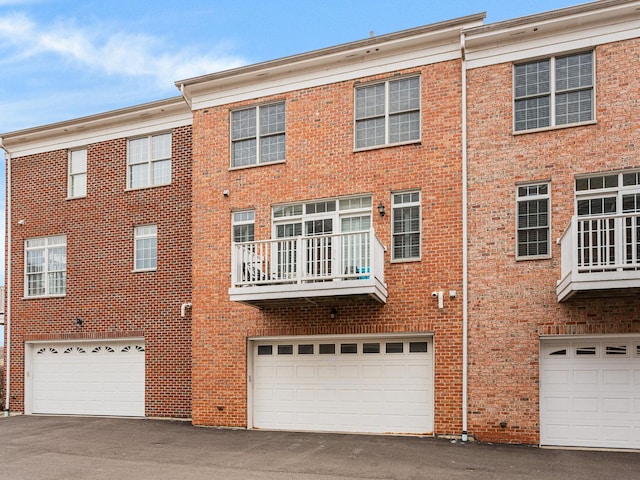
[33,447]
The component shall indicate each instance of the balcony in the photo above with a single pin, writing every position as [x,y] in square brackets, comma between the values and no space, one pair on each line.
[600,256]
[323,269]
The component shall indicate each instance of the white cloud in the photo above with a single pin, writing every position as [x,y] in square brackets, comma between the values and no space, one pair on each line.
[113,53]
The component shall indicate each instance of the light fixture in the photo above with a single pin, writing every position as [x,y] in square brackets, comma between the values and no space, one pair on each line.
[333,313]
[381,210]
[78,322]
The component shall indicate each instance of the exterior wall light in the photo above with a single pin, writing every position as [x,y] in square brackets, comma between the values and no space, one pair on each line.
[381,210]
[78,322]
[333,313]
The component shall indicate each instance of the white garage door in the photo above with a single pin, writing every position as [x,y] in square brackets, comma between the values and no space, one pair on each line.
[590,392]
[93,378]
[344,385]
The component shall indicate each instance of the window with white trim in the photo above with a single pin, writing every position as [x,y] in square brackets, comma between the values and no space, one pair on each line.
[149,161]
[405,226]
[553,91]
[244,226]
[533,221]
[258,135]
[77,174]
[608,209]
[145,247]
[387,113]
[45,266]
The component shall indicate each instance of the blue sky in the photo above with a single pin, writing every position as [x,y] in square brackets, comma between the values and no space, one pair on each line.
[65,59]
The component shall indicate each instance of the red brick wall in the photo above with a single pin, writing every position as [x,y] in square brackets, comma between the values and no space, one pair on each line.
[513,302]
[321,164]
[102,289]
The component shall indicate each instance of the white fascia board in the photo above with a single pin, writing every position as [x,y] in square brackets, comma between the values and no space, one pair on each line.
[545,46]
[302,80]
[125,123]
[278,77]
[548,34]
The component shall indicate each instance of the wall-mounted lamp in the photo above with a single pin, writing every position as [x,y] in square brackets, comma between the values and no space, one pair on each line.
[381,210]
[225,193]
[333,313]
[21,222]
[78,322]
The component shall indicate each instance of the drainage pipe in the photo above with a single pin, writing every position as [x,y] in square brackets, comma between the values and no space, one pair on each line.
[465,244]
[7,309]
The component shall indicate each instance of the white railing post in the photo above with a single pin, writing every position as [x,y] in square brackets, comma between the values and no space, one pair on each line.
[618,238]
[234,265]
[299,259]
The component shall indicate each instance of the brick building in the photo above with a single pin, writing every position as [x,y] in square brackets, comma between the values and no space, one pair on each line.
[99,221]
[554,249]
[326,168]
[360,238]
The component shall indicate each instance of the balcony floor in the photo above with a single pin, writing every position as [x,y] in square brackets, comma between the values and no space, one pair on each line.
[312,293]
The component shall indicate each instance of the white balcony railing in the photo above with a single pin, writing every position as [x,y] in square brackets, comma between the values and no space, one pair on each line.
[600,253]
[322,265]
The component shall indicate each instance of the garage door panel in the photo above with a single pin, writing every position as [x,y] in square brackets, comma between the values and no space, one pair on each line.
[96,378]
[370,392]
[590,400]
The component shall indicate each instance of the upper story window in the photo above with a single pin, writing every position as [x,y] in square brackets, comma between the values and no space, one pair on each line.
[534,223]
[258,135]
[146,248]
[387,113]
[45,266]
[77,175]
[244,226]
[149,160]
[553,91]
[406,226]
[608,194]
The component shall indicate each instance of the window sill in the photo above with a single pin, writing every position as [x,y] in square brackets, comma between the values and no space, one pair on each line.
[405,260]
[554,127]
[388,145]
[257,165]
[79,197]
[532,257]
[40,297]
[147,187]
[143,270]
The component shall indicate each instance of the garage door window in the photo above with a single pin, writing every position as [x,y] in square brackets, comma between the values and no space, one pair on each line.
[327,349]
[586,351]
[395,347]
[265,350]
[305,349]
[616,350]
[371,348]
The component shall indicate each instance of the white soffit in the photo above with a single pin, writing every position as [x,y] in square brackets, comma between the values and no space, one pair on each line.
[128,122]
[551,33]
[378,55]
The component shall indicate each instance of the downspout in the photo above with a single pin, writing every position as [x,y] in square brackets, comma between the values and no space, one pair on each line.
[465,245]
[184,95]
[7,313]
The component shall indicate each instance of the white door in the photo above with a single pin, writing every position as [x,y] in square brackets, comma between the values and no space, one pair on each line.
[590,392]
[367,385]
[88,378]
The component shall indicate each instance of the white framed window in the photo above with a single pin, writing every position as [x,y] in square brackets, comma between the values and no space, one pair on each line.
[258,135]
[149,161]
[45,266]
[244,226]
[533,221]
[77,174]
[387,113]
[145,248]
[406,226]
[554,91]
